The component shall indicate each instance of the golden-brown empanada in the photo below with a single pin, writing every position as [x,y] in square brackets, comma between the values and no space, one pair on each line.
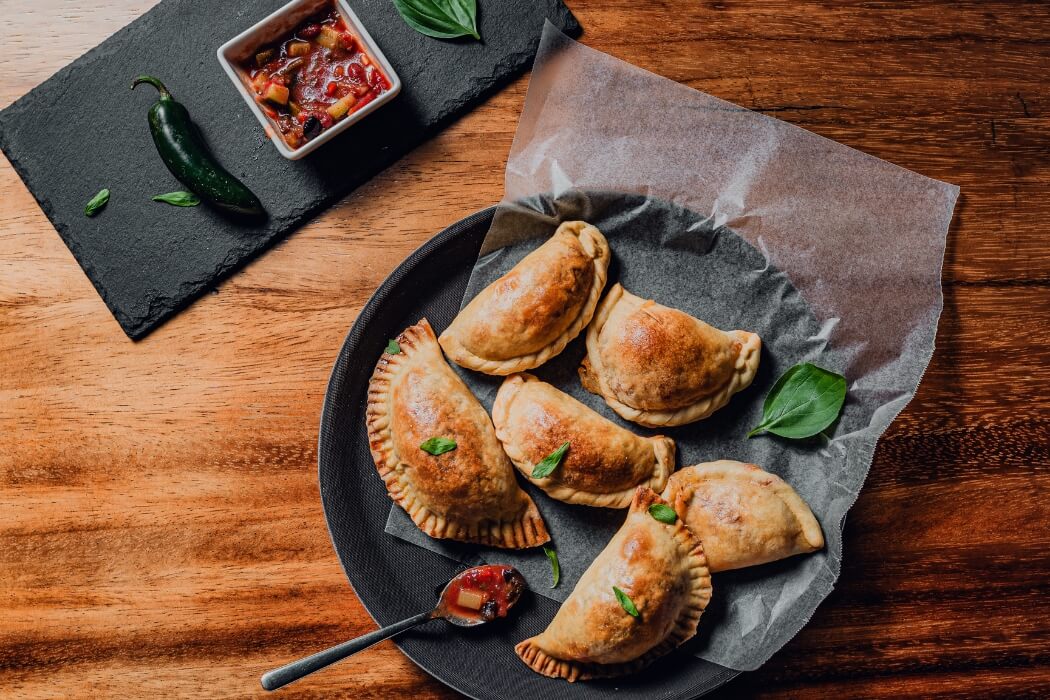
[604,463]
[662,570]
[469,493]
[530,314]
[743,515]
[659,366]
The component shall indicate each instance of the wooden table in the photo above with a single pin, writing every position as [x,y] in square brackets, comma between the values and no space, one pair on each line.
[160,526]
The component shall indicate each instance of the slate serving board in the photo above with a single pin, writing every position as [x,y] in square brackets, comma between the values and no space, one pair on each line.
[83,129]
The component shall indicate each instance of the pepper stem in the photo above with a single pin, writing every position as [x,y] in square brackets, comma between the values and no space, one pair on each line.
[164,94]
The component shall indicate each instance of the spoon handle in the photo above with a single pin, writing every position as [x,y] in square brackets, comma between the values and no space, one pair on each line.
[303,667]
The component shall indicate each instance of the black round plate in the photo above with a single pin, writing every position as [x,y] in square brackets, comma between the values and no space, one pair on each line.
[395,579]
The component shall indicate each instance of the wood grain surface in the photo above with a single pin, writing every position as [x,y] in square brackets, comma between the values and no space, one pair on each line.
[161,532]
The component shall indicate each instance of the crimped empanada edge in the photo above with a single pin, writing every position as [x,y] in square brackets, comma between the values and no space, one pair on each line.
[685,627]
[528,531]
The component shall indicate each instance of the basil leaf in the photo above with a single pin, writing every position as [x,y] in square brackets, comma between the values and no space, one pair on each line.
[555,567]
[438,445]
[802,403]
[392,347]
[550,462]
[178,199]
[441,19]
[625,602]
[664,514]
[96,203]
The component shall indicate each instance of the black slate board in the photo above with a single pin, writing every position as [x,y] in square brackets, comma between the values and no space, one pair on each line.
[84,129]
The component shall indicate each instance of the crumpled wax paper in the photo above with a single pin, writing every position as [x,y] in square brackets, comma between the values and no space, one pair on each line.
[745,221]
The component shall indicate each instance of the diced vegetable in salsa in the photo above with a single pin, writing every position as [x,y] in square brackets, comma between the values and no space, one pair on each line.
[314,78]
[471,599]
[484,592]
[329,37]
[342,106]
[264,57]
[276,93]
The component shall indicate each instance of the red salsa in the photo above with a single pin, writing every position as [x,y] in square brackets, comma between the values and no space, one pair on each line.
[314,78]
[484,592]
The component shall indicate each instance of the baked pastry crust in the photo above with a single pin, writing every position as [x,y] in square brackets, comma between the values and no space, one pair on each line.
[604,464]
[531,313]
[659,366]
[468,494]
[744,516]
[661,568]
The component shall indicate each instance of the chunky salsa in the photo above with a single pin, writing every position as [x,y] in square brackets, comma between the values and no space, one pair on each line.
[484,592]
[314,78]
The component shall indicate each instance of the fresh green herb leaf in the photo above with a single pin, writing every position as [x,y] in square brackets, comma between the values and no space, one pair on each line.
[392,347]
[550,462]
[438,445]
[664,514]
[625,602]
[802,403]
[178,199]
[555,567]
[441,19]
[96,203]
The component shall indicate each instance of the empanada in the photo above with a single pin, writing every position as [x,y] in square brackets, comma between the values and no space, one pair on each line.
[661,569]
[659,366]
[743,515]
[469,493]
[530,314]
[604,463]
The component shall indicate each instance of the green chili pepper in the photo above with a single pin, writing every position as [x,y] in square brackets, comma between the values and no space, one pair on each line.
[189,160]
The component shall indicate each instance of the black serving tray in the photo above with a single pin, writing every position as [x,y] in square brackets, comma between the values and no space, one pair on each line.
[395,579]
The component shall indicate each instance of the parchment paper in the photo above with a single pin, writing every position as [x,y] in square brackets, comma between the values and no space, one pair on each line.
[747,222]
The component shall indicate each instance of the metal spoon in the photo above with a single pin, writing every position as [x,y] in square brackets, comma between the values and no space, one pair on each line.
[446,609]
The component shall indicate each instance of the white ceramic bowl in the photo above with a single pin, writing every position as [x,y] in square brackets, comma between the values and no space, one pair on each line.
[243,46]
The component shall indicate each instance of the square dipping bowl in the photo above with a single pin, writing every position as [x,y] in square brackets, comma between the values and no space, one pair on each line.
[238,51]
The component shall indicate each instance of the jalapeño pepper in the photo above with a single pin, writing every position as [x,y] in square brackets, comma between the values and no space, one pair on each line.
[189,160]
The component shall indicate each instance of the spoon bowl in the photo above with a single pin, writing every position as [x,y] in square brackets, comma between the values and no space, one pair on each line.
[496,576]
[473,597]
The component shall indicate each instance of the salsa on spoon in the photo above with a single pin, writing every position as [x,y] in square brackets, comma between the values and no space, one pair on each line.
[473,597]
